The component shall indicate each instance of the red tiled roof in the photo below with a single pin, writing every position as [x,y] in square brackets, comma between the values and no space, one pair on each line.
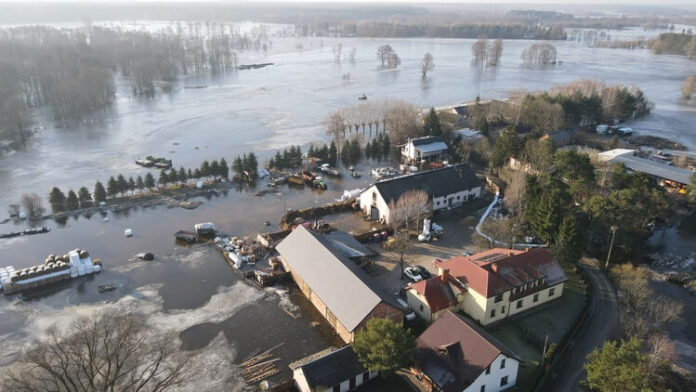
[499,270]
[438,293]
[453,352]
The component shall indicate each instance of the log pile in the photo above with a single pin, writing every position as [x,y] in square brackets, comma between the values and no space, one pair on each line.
[260,367]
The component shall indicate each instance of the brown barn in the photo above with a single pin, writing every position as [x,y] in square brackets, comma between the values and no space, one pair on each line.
[342,292]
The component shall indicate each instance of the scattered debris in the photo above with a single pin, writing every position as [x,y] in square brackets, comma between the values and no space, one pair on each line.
[36,230]
[128,233]
[260,367]
[105,288]
[147,256]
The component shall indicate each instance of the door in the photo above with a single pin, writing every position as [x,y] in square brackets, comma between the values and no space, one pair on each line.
[374,213]
[450,201]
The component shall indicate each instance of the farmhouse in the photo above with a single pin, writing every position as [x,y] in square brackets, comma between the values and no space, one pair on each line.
[424,149]
[342,292]
[495,284]
[454,355]
[447,188]
[330,370]
[431,297]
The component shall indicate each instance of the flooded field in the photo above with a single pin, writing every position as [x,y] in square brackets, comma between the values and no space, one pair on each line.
[192,290]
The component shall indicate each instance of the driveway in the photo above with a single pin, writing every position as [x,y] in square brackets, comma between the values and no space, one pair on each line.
[600,325]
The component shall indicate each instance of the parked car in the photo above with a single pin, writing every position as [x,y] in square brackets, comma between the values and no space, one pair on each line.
[423,272]
[408,312]
[412,274]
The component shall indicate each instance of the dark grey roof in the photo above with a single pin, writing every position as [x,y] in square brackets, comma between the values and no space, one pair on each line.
[439,182]
[427,140]
[347,290]
[347,244]
[324,372]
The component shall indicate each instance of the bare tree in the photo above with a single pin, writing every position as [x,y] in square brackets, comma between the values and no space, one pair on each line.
[351,55]
[495,50]
[689,87]
[406,214]
[383,53]
[401,118]
[515,192]
[479,50]
[33,207]
[393,60]
[13,210]
[338,52]
[15,118]
[539,54]
[111,352]
[336,127]
[427,64]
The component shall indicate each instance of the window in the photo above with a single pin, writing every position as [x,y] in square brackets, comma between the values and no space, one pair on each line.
[488,369]
[502,364]
[551,292]
[458,196]
[351,383]
[536,297]
[498,298]
[483,388]
[519,304]
[502,310]
[366,377]
[493,313]
[421,307]
[337,388]
[504,381]
[374,196]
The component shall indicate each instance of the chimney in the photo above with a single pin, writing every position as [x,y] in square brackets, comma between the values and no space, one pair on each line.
[526,249]
[444,274]
[494,266]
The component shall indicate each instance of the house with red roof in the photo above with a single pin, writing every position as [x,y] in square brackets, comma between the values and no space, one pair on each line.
[431,297]
[492,285]
[456,355]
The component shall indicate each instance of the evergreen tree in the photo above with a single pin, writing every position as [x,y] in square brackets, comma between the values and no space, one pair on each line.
[71,202]
[112,187]
[99,192]
[482,125]
[386,145]
[506,146]
[384,346]
[182,174]
[149,181]
[333,154]
[545,217]
[285,162]
[568,242]
[214,169]
[252,163]
[238,165]
[121,184]
[368,150]
[139,183]
[189,174]
[310,151]
[345,153]
[205,169]
[84,197]
[618,366]
[355,152]
[57,200]
[224,169]
[432,125]
[131,185]
[163,177]
[324,153]
[197,174]
[173,177]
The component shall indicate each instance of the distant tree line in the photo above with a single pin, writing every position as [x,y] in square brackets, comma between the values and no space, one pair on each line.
[120,186]
[443,30]
[72,70]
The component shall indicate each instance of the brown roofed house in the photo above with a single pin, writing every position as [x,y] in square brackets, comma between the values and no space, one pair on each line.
[455,355]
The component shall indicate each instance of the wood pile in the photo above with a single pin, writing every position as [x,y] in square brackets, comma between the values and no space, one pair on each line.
[260,367]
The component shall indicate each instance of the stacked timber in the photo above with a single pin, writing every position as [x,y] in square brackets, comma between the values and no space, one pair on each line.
[260,367]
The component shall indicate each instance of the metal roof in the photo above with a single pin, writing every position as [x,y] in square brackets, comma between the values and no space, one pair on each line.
[653,168]
[345,289]
[347,244]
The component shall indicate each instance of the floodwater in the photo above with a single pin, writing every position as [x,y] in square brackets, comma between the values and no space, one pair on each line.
[193,291]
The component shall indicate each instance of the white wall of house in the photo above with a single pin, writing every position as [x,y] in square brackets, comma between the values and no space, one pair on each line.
[492,380]
[542,296]
[480,308]
[457,199]
[418,303]
[371,197]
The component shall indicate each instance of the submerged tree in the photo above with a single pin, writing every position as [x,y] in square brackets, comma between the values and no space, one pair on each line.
[539,54]
[99,192]
[57,200]
[427,64]
[495,50]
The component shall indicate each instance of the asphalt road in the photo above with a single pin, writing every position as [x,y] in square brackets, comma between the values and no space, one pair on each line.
[600,325]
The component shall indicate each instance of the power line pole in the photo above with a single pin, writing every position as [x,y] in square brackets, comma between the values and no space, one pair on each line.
[611,244]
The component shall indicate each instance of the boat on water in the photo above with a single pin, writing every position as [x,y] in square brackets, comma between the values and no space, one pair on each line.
[362,97]
[279,181]
[74,264]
